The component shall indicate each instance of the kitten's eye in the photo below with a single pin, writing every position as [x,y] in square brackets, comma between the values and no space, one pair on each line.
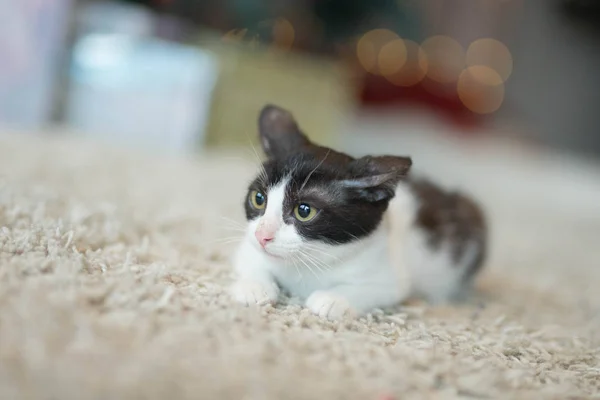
[304,212]
[257,199]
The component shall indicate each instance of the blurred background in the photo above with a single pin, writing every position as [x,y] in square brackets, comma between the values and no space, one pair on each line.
[175,75]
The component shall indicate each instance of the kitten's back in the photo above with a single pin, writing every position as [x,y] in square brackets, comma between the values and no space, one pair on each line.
[445,236]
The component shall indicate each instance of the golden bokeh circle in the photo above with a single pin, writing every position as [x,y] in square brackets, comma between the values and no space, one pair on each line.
[481,89]
[414,69]
[446,58]
[491,53]
[392,57]
[283,34]
[369,46]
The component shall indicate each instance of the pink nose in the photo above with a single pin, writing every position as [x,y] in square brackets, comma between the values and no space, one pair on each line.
[263,238]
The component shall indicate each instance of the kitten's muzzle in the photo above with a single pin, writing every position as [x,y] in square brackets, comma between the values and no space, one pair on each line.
[263,237]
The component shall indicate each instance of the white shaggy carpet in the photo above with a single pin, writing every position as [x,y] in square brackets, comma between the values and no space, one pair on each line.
[113,284]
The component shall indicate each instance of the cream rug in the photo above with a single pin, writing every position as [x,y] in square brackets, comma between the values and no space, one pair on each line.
[113,275]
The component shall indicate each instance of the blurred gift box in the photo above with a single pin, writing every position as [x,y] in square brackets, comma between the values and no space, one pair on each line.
[319,91]
[130,88]
[141,92]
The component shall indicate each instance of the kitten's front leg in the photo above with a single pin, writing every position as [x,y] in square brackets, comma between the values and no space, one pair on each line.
[350,301]
[254,284]
[329,304]
[255,291]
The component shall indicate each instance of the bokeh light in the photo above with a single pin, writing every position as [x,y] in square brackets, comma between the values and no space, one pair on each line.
[446,58]
[491,53]
[481,89]
[369,47]
[283,34]
[414,68]
[392,57]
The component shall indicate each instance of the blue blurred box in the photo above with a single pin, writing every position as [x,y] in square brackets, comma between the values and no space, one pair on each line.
[141,92]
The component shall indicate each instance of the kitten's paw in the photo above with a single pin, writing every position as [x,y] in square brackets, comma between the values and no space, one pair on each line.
[329,305]
[251,292]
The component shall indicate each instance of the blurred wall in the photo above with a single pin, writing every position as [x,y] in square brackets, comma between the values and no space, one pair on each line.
[555,86]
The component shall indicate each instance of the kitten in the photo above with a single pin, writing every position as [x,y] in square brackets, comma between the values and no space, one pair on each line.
[347,234]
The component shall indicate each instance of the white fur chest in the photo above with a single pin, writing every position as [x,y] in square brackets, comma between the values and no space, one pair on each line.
[369,265]
[365,264]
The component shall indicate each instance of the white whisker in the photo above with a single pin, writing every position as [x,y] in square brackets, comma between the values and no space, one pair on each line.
[313,262]
[322,263]
[312,248]
[233,221]
[318,250]
[314,169]
[234,229]
[295,264]
[233,225]
[309,268]
[231,239]
[351,235]
[262,175]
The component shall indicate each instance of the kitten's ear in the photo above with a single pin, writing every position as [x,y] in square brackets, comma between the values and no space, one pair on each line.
[280,135]
[377,177]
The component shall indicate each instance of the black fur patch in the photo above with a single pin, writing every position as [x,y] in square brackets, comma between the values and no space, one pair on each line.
[350,195]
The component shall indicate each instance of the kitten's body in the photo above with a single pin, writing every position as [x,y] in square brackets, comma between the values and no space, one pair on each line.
[378,238]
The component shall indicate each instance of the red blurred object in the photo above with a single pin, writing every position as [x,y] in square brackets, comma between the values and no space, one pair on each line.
[378,92]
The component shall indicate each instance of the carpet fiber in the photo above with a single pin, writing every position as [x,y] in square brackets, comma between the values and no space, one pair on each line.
[113,277]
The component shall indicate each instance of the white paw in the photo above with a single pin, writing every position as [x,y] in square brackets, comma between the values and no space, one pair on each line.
[251,292]
[329,305]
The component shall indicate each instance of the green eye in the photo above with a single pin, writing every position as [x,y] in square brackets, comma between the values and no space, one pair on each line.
[257,199]
[304,213]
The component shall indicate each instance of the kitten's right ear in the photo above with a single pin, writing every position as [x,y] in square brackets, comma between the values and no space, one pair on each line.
[377,177]
[280,135]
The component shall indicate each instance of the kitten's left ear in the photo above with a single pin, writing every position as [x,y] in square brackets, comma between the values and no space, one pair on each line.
[280,135]
[377,177]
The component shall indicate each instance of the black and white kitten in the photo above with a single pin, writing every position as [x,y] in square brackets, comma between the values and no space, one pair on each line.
[350,234]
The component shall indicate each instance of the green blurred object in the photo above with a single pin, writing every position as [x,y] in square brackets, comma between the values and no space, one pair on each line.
[343,19]
[324,24]
[319,92]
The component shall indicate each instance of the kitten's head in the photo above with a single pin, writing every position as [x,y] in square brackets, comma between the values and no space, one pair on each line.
[308,198]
